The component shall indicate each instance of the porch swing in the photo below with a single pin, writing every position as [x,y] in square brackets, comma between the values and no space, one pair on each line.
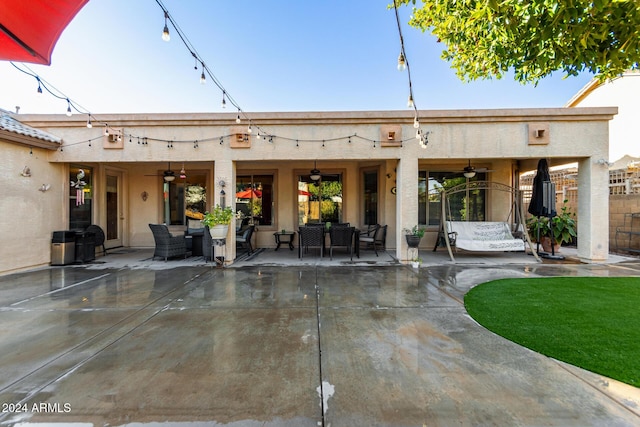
[509,235]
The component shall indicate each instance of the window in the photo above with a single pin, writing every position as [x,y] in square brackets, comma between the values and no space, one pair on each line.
[463,206]
[185,198]
[320,201]
[254,198]
[80,196]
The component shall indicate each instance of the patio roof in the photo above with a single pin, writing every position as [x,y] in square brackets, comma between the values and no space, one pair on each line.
[12,130]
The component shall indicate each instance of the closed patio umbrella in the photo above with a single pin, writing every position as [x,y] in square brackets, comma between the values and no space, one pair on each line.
[29,29]
[541,203]
[537,205]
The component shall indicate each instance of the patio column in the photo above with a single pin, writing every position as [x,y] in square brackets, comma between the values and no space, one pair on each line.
[406,202]
[226,170]
[593,210]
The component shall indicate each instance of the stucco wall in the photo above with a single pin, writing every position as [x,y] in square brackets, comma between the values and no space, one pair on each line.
[28,216]
[498,139]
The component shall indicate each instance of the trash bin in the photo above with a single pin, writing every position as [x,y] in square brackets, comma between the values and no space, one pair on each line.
[63,247]
[85,246]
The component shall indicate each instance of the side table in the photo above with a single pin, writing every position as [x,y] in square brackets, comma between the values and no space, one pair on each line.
[284,237]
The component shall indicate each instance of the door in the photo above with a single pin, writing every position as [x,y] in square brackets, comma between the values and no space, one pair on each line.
[115,216]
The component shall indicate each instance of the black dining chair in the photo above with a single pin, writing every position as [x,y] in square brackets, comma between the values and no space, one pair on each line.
[341,237]
[310,237]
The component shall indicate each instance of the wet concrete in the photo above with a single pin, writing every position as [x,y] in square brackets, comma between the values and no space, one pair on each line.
[275,345]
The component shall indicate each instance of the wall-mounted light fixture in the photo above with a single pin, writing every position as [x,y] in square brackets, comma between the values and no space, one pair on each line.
[26,172]
[44,187]
[223,196]
[144,195]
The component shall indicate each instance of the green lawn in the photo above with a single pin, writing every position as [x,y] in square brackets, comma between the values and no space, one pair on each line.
[590,322]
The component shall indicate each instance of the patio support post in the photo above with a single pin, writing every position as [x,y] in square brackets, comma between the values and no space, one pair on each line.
[593,210]
[226,169]
[406,202]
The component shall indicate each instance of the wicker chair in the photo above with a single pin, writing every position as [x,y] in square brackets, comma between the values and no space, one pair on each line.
[97,231]
[310,236]
[244,239]
[167,245]
[341,237]
[369,237]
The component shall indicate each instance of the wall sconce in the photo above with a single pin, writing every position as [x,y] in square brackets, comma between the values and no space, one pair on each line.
[144,196]
[26,172]
[223,197]
[44,187]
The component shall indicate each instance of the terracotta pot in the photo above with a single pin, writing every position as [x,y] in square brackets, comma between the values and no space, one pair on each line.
[546,245]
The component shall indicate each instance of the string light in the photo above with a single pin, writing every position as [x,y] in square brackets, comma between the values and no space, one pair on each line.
[224,100]
[238,121]
[165,32]
[416,123]
[39,87]
[402,64]
[203,78]
[89,125]
[68,108]
[410,103]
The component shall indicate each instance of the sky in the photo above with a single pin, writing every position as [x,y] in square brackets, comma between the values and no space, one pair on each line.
[329,55]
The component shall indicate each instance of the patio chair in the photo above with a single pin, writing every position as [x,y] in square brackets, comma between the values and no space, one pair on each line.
[368,237]
[99,236]
[244,239]
[341,237]
[167,245]
[310,237]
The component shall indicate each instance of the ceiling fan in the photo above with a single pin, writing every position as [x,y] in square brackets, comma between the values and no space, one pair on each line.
[169,175]
[470,171]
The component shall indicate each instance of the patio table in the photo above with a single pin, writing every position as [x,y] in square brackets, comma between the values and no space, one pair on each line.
[284,237]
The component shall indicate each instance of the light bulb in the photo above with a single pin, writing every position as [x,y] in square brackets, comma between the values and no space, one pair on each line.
[402,64]
[68,108]
[165,32]
[249,130]
[416,123]
[89,125]
[203,78]
[224,101]
[410,102]
[418,137]
[238,119]
[106,130]
[258,135]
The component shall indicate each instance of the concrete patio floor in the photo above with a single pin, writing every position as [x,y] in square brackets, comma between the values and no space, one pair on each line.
[277,341]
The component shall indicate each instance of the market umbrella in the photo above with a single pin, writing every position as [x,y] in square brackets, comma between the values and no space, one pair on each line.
[537,205]
[541,189]
[30,29]
[249,193]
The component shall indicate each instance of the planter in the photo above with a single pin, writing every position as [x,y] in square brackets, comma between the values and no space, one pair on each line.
[413,241]
[546,245]
[415,264]
[219,231]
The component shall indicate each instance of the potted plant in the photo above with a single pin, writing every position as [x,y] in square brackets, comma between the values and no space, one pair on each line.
[218,221]
[564,228]
[415,263]
[413,236]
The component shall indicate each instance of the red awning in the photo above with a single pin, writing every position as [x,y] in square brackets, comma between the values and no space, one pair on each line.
[29,29]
